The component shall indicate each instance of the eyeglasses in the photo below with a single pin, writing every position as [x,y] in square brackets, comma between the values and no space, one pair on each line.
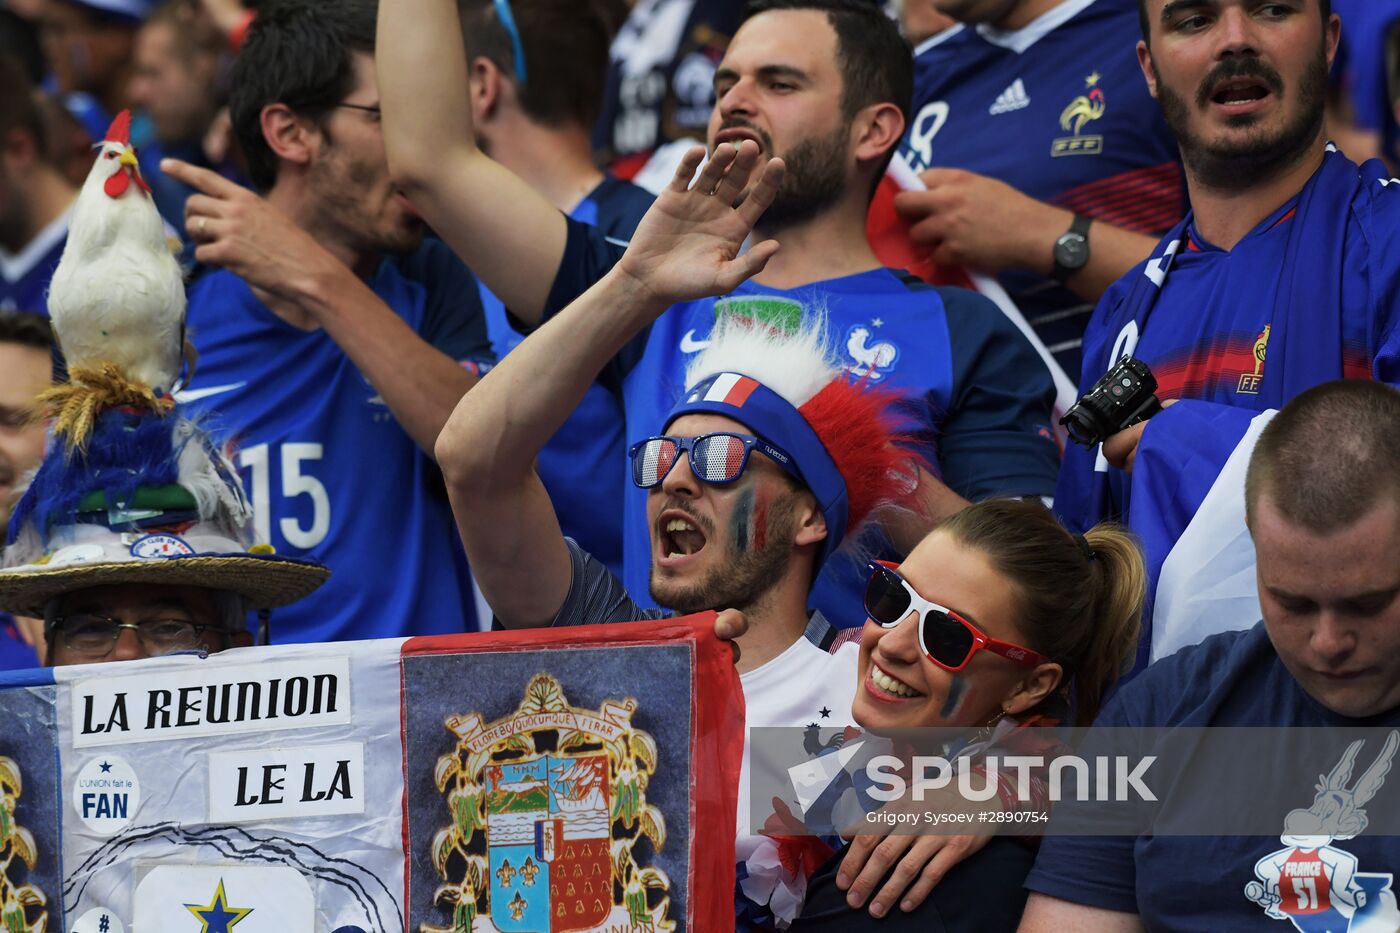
[945,637]
[517,48]
[95,636]
[371,109]
[716,459]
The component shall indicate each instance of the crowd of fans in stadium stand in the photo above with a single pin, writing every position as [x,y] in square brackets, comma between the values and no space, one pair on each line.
[560,312]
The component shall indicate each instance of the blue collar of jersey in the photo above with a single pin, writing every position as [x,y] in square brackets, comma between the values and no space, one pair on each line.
[767,413]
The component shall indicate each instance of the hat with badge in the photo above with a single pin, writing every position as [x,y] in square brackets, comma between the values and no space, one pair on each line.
[148,500]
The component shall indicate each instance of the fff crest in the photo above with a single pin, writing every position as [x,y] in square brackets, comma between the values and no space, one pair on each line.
[548,806]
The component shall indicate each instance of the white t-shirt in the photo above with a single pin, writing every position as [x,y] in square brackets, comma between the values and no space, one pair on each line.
[801,686]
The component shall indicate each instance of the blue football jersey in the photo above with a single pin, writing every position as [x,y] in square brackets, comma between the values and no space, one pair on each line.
[331,475]
[25,276]
[579,464]
[985,396]
[1058,110]
[1209,335]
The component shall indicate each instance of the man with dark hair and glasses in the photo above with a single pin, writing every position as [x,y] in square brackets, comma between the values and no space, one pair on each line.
[334,340]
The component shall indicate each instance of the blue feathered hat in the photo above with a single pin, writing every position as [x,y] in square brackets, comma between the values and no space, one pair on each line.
[147,499]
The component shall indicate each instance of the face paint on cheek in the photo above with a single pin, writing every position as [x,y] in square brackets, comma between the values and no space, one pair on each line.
[957,693]
[741,522]
[760,522]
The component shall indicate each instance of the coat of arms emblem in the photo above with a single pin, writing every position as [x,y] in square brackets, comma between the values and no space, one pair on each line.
[548,809]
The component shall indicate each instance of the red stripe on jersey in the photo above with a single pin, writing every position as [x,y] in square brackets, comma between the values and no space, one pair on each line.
[1190,376]
[1145,200]
[1356,364]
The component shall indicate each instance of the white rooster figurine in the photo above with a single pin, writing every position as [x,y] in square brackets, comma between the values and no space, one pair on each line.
[117,298]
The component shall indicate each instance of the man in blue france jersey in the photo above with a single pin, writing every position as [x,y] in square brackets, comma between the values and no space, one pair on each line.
[35,198]
[533,114]
[1283,276]
[334,341]
[817,83]
[1322,668]
[1045,159]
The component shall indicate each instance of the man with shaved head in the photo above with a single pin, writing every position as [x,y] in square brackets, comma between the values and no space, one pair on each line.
[1323,498]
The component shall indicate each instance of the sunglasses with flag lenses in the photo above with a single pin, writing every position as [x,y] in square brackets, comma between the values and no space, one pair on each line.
[948,639]
[716,459]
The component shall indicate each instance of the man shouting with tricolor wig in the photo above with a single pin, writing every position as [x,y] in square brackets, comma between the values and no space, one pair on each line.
[769,463]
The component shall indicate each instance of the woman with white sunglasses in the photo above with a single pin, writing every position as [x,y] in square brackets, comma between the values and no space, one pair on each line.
[999,622]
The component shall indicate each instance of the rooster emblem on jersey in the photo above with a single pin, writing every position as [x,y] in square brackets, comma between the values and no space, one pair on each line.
[117,299]
[870,358]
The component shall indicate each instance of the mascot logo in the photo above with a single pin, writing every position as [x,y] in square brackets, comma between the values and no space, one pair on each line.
[548,808]
[21,905]
[1312,883]
[1084,109]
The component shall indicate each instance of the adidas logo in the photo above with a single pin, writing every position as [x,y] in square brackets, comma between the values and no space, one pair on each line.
[1013,98]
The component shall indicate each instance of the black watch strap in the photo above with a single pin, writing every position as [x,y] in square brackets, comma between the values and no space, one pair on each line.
[1079,227]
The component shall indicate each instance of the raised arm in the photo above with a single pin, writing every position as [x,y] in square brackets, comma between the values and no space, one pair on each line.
[504,230]
[686,247]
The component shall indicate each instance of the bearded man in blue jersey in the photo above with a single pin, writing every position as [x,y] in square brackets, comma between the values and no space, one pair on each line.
[824,84]
[1283,276]
[334,341]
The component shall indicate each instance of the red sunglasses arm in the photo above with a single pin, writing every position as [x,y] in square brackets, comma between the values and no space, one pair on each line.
[1023,656]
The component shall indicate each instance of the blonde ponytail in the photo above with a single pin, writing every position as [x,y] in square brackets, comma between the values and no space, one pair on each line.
[1080,600]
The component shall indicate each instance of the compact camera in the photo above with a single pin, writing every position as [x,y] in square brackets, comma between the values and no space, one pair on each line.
[1125,396]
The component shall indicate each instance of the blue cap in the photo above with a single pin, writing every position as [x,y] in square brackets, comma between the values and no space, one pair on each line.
[767,413]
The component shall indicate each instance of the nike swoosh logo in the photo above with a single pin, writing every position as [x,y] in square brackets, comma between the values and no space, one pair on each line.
[690,345]
[194,395]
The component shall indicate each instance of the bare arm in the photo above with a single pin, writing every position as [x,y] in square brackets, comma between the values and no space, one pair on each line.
[241,232]
[1045,914]
[933,504]
[984,224]
[686,247]
[502,228]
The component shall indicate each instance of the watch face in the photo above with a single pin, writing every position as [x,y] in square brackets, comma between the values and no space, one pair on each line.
[1072,251]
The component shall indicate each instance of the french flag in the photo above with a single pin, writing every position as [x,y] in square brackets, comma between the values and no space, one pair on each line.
[728,389]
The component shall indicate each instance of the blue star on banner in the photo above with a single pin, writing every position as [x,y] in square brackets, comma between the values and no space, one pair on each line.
[218,917]
[106,767]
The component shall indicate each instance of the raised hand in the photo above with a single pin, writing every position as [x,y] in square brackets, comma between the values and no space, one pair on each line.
[234,228]
[687,245]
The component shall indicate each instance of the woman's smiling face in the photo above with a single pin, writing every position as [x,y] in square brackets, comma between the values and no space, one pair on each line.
[900,687]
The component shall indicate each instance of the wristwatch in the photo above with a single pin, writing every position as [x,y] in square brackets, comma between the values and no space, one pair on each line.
[1072,249]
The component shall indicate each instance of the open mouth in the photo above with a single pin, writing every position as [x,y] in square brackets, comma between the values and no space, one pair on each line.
[678,536]
[887,686]
[1240,92]
[735,135]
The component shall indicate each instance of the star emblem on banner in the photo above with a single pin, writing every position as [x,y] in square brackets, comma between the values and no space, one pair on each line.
[106,767]
[218,917]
